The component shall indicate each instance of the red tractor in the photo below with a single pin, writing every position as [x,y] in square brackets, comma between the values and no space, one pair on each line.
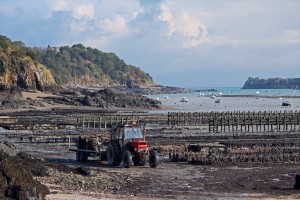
[128,144]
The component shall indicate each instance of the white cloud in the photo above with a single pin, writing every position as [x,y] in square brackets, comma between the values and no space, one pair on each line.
[99,20]
[79,9]
[79,26]
[233,23]
[167,16]
[190,26]
[193,31]
[59,5]
[84,11]
[107,22]
[117,25]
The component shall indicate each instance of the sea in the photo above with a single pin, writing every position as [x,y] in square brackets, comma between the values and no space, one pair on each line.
[235,91]
[232,99]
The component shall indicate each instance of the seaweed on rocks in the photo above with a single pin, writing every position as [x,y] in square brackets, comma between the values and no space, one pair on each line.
[16,178]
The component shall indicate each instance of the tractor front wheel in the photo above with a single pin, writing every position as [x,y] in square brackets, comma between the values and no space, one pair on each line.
[127,159]
[113,154]
[153,159]
[139,160]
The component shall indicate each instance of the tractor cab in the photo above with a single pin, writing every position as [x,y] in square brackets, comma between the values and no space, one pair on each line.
[134,139]
[130,137]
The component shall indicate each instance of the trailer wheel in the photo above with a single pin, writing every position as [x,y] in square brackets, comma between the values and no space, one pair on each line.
[153,159]
[127,159]
[82,156]
[78,156]
[113,154]
[139,161]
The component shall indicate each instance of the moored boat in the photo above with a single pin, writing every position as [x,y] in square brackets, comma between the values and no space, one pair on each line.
[184,99]
[286,103]
[218,100]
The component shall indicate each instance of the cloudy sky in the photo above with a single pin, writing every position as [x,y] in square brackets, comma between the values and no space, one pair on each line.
[186,43]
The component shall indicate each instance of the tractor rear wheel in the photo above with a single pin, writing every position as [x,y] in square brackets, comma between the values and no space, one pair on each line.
[153,159]
[113,154]
[139,161]
[127,159]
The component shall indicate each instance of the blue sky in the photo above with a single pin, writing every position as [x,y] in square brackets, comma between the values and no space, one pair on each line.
[186,43]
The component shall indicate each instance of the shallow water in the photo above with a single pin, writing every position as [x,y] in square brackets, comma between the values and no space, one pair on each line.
[206,104]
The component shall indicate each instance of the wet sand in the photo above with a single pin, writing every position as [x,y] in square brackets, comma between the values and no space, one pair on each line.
[206,104]
[177,180]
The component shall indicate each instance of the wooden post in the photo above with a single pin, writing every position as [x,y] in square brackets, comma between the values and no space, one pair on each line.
[94,122]
[100,122]
[77,122]
[82,122]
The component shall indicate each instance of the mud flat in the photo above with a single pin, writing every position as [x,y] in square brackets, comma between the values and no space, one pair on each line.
[206,104]
[169,180]
[68,179]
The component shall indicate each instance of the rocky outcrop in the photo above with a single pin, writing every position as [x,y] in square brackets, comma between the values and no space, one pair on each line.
[272,83]
[153,90]
[19,68]
[16,176]
[32,78]
[106,98]
[13,99]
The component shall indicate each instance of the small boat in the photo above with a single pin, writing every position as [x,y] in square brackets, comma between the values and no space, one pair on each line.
[218,100]
[166,97]
[157,98]
[286,103]
[200,94]
[184,99]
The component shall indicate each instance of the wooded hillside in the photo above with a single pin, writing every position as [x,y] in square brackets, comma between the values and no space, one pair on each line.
[81,65]
[271,83]
[76,65]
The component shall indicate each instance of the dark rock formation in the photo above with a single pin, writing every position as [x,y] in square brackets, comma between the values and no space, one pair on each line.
[12,99]
[8,148]
[16,179]
[106,98]
[297,180]
[152,90]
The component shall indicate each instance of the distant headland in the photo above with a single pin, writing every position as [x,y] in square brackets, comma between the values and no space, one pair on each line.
[272,83]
